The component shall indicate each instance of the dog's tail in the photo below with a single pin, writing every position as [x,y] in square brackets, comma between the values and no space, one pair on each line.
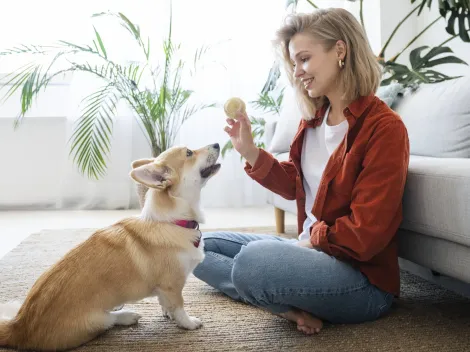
[8,311]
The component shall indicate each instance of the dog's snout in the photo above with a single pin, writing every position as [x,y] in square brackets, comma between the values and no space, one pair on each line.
[216,146]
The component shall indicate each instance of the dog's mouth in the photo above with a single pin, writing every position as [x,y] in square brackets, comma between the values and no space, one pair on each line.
[210,170]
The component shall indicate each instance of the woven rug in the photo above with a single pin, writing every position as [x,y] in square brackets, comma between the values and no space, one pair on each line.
[425,318]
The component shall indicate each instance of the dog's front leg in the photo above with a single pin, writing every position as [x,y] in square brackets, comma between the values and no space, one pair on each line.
[165,311]
[172,306]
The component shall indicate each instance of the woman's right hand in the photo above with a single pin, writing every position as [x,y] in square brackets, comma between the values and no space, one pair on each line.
[239,131]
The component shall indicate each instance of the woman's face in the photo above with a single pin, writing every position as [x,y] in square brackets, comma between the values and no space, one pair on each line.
[316,68]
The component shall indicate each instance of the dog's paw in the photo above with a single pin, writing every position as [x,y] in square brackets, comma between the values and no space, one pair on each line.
[166,314]
[196,321]
[126,318]
[193,323]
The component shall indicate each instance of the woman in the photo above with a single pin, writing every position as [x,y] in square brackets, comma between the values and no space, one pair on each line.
[347,171]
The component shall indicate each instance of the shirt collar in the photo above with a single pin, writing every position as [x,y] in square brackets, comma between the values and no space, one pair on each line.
[358,106]
[355,109]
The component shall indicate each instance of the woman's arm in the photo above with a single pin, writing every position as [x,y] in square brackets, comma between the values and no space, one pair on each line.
[279,177]
[376,200]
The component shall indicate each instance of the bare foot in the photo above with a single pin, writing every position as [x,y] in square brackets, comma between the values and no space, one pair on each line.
[306,323]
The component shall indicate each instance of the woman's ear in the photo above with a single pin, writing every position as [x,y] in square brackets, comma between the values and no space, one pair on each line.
[341,49]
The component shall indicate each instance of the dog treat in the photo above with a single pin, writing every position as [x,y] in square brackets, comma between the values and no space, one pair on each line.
[233,106]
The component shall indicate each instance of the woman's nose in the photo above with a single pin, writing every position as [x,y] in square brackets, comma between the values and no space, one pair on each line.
[298,72]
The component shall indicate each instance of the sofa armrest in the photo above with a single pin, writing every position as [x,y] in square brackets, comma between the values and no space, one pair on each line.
[269,129]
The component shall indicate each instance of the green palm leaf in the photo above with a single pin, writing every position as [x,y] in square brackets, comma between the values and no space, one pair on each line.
[100,42]
[30,79]
[132,28]
[91,137]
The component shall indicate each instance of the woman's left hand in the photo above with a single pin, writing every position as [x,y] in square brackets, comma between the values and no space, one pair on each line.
[305,243]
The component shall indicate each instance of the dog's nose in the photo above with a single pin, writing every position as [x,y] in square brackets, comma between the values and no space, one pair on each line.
[216,146]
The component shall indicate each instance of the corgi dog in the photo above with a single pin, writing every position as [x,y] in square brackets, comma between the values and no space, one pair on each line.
[148,255]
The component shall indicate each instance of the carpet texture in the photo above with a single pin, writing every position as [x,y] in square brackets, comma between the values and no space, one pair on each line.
[425,318]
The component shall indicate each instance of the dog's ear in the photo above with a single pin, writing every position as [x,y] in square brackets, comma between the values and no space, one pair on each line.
[140,162]
[153,175]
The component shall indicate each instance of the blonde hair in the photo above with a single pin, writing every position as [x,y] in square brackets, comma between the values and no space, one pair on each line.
[361,73]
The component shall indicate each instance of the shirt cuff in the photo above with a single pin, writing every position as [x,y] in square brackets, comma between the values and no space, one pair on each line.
[262,166]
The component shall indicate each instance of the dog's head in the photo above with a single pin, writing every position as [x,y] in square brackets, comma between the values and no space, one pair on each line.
[179,169]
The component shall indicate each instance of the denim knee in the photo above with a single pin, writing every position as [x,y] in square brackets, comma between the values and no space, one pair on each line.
[249,272]
[210,241]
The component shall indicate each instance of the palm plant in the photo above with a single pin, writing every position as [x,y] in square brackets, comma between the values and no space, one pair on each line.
[160,108]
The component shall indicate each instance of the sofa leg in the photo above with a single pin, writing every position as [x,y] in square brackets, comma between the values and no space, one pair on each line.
[280,215]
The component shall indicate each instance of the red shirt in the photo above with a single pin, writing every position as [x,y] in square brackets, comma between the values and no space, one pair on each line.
[359,201]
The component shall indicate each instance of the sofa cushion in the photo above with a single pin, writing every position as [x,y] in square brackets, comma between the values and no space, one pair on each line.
[437,198]
[437,117]
[389,94]
[287,124]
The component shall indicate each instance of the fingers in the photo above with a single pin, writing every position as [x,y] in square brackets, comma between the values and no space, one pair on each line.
[228,130]
[243,118]
[234,125]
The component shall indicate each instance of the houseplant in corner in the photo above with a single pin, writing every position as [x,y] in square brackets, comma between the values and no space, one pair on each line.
[154,93]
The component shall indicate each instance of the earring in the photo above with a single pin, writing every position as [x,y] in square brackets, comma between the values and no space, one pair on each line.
[340,63]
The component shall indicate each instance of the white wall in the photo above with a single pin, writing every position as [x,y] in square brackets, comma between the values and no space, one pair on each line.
[372,12]
[37,171]
[392,12]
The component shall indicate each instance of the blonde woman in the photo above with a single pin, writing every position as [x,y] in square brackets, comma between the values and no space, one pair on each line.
[347,171]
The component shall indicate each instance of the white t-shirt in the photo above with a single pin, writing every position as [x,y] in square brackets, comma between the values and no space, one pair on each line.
[319,143]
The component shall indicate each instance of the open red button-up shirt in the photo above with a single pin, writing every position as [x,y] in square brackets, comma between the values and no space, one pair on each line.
[359,200]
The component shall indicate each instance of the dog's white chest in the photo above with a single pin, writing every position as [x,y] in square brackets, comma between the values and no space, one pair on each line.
[190,259]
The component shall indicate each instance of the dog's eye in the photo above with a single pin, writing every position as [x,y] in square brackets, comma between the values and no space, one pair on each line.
[189,153]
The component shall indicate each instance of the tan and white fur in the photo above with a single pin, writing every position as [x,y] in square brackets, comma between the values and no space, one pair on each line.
[138,257]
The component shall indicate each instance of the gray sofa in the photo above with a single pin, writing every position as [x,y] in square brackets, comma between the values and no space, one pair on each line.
[435,232]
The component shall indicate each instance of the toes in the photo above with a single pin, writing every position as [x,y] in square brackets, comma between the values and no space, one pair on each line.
[193,324]
[134,318]
[127,318]
[197,323]
[166,314]
[304,329]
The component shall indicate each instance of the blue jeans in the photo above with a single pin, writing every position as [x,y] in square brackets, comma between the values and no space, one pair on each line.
[275,274]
